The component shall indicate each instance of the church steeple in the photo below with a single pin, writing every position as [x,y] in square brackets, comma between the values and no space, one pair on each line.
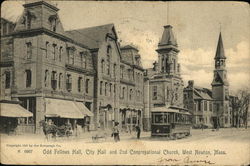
[220,49]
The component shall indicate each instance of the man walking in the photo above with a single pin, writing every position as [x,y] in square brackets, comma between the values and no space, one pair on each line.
[138,130]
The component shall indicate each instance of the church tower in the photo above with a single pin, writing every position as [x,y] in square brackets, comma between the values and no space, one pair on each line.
[220,87]
[167,53]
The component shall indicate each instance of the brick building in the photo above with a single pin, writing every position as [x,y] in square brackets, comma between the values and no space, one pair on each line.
[77,75]
[163,83]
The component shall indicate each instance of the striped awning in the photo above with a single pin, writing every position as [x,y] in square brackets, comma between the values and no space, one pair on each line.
[62,109]
[13,110]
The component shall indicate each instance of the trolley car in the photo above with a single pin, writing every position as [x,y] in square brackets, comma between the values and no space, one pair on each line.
[173,122]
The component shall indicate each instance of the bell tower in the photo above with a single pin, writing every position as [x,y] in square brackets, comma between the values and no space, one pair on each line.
[220,86]
[167,53]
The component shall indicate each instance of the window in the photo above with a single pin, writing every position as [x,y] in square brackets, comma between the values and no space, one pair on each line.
[105,90]
[69,82]
[54,52]
[46,76]
[122,72]
[114,89]
[114,70]
[29,50]
[154,92]
[87,85]
[28,21]
[53,24]
[83,59]
[110,89]
[130,94]
[60,54]
[60,80]
[79,84]
[205,105]
[102,66]
[7,79]
[71,52]
[199,105]
[108,59]
[210,106]
[28,78]
[46,49]
[168,93]
[101,84]
[54,80]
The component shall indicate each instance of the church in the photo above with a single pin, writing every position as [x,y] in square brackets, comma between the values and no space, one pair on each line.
[211,107]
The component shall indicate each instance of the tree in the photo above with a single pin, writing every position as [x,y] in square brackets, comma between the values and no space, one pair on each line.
[241,107]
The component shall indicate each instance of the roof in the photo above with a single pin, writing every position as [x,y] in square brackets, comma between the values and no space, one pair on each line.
[220,49]
[168,36]
[91,36]
[202,93]
[170,109]
[129,47]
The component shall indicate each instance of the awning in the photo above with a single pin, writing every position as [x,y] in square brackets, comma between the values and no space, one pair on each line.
[13,110]
[84,109]
[63,109]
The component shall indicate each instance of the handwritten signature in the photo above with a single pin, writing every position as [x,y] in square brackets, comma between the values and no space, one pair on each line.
[186,160]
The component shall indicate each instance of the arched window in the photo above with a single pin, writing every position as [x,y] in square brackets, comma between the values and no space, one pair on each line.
[60,54]
[46,78]
[79,84]
[54,52]
[109,50]
[130,94]
[29,50]
[102,65]
[28,78]
[87,86]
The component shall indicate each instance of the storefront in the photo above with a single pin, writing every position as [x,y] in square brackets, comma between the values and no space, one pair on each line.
[64,111]
[130,117]
[13,117]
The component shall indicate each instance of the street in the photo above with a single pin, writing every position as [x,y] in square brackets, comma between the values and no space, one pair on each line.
[241,135]
[228,146]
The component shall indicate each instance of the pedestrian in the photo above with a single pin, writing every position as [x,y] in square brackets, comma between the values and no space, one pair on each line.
[116,132]
[138,130]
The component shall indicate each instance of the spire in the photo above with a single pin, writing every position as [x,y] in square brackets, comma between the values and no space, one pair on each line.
[168,37]
[220,49]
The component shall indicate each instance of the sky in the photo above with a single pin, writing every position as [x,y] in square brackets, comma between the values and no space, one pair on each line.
[196,26]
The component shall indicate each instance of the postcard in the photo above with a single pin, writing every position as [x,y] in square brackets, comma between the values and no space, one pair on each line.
[125,83]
